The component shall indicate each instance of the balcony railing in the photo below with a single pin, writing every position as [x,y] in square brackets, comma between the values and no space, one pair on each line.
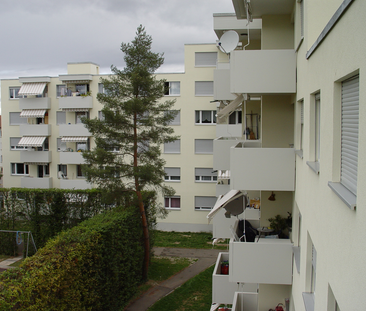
[262,168]
[72,102]
[35,130]
[221,152]
[74,184]
[73,130]
[249,300]
[71,158]
[34,182]
[266,261]
[263,71]
[35,103]
[232,130]
[32,156]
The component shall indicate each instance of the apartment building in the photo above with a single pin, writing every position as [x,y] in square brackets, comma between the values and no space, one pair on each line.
[295,74]
[44,136]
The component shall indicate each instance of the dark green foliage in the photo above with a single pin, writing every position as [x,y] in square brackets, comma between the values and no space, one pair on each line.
[93,266]
[46,212]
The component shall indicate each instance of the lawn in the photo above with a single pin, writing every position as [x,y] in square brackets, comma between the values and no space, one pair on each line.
[186,240]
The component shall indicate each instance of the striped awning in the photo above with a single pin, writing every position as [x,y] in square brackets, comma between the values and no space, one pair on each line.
[35,88]
[33,113]
[75,109]
[31,141]
[74,139]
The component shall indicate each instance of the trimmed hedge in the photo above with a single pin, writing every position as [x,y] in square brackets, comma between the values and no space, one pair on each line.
[96,265]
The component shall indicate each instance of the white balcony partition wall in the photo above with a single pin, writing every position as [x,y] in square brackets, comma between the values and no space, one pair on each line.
[35,130]
[222,83]
[262,168]
[222,225]
[32,156]
[35,103]
[263,71]
[73,130]
[245,302]
[229,130]
[34,182]
[72,102]
[223,291]
[71,158]
[221,152]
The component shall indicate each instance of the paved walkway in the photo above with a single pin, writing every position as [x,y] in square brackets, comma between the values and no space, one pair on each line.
[206,258]
[5,264]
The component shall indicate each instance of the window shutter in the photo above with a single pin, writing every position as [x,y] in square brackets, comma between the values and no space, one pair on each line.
[61,117]
[173,147]
[208,202]
[205,59]
[172,171]
[14,141]
[349,132]
[302,112]
[203,146]
[205,172]
[204,88]
[15,119]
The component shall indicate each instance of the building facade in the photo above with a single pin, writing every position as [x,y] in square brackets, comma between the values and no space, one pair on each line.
[44,136]
[296,73]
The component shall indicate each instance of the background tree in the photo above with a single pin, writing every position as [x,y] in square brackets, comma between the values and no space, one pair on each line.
[134,125]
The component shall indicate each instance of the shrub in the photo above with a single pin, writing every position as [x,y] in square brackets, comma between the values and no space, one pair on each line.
[96,265]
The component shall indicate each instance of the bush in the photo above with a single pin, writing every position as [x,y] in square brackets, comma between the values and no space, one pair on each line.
[96,265]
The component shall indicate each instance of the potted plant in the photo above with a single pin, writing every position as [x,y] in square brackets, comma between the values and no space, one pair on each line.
[279,225]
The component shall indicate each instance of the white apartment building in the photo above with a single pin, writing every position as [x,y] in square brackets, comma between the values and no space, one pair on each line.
[44,136]
[299,86]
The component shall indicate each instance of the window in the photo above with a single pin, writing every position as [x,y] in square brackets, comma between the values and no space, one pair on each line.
[14,144]
[62,168]
[79,172]
[60,117]
[204,203]
[172,88]
[204,88]
[173,147]
[317,127]
[349,130]
[79,115]
[176,120]
[235,117]
[204,146]
[15,119]
[101,116]
[61,90]
[205,117]
[101,88]
[172,173]
[313,269]
[172,202]
[301,124]
[19,169]
[61,145]
[13,92]
[43,171]
[205,59]
[82,89]
[82,146]
[205,175]
[309,296]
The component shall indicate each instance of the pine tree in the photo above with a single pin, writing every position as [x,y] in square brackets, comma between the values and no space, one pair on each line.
[134,125]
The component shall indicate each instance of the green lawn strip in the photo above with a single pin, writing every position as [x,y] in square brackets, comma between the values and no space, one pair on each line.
[17,263]
[186,240]
[194,295]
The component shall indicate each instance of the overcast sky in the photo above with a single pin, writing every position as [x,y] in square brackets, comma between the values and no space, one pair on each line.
[39,37]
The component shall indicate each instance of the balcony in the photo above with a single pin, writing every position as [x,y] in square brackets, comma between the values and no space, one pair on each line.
[262,168]
[249,300]
[34,182]
[71,158]
[268,261]
[231,130]
[35,103]
[35,130]
[263,72]
[222,290]
[74,184]
[75,102]
[222,83]
[73,130]
[32,156]
[221,152]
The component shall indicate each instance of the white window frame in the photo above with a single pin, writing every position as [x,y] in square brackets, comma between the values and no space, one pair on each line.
[206,142]
[205,175]
[14,169]
[14,144]
[173,147]
[317,128]
[79,115]
[199,115]
[237,116]
[172,88]
[169,201]
[204,203]
[59,88]
[172,174]
[13,93]
[46,170]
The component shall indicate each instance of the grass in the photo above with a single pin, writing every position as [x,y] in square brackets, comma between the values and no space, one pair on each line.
[194,295]
[186,240]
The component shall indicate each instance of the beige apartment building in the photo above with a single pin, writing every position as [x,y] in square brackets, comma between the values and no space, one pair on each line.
[44,136]
[295,70]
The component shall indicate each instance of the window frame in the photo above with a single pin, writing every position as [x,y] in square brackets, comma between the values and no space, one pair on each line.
[14,93]
[211,178]
[168,88]
[170,178]
[169,198]
[204,208]
[200,117]
[14,172]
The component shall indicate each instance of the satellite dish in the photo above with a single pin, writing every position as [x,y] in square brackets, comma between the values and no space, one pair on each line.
[228,41]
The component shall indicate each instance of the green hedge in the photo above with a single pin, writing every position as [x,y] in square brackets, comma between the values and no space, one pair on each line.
[96,265]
